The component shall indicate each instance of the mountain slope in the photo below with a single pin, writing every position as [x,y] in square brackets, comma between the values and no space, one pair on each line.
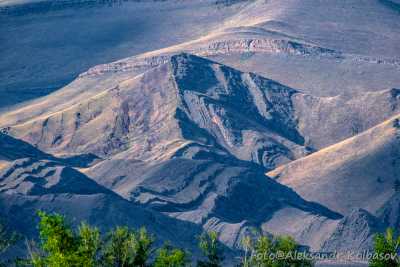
[29,184]
[358,172]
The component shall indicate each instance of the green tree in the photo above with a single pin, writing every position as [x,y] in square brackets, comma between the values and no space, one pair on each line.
[386,248]
[125,247]
[211,249]
[247,246]
[89,245]
[171,257]
[61,247]
[281,251]
[289,249]
[263,248]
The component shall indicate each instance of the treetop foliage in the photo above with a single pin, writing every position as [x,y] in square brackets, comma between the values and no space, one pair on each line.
[62,246]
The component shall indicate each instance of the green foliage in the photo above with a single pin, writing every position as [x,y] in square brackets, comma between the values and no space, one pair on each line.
[171,257]
[281,251]
[89,244]
[211,249]
[386,248]
[61,247]
[125,247]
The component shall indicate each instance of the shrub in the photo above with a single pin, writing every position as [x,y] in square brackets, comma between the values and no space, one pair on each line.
[386,245]
[60,246]
[171,257]
[211,249]
[273,252]
[125,247]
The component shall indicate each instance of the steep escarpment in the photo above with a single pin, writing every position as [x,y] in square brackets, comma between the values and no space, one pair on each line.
[277,117]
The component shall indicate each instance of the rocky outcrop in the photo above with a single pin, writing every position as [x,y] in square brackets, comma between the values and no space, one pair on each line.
[223,45]
[355,232]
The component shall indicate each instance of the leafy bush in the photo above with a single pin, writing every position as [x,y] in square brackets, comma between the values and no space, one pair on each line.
[126,247]
[281,251]
[211,249]
[171,257]
[386,248]
[60,246]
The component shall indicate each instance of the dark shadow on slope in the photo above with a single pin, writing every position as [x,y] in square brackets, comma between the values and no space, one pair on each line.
[390,4]
[238,190]
[31,185]
[13,149]
[389,213]
[47,6]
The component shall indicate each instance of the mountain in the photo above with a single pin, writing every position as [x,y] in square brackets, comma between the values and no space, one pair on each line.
[151,116]
[354,233]
[280,40]
[243,117]
[189,99]
[189,138]
[192,139]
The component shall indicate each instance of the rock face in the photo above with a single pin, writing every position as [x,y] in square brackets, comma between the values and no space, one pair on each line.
[354,232]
